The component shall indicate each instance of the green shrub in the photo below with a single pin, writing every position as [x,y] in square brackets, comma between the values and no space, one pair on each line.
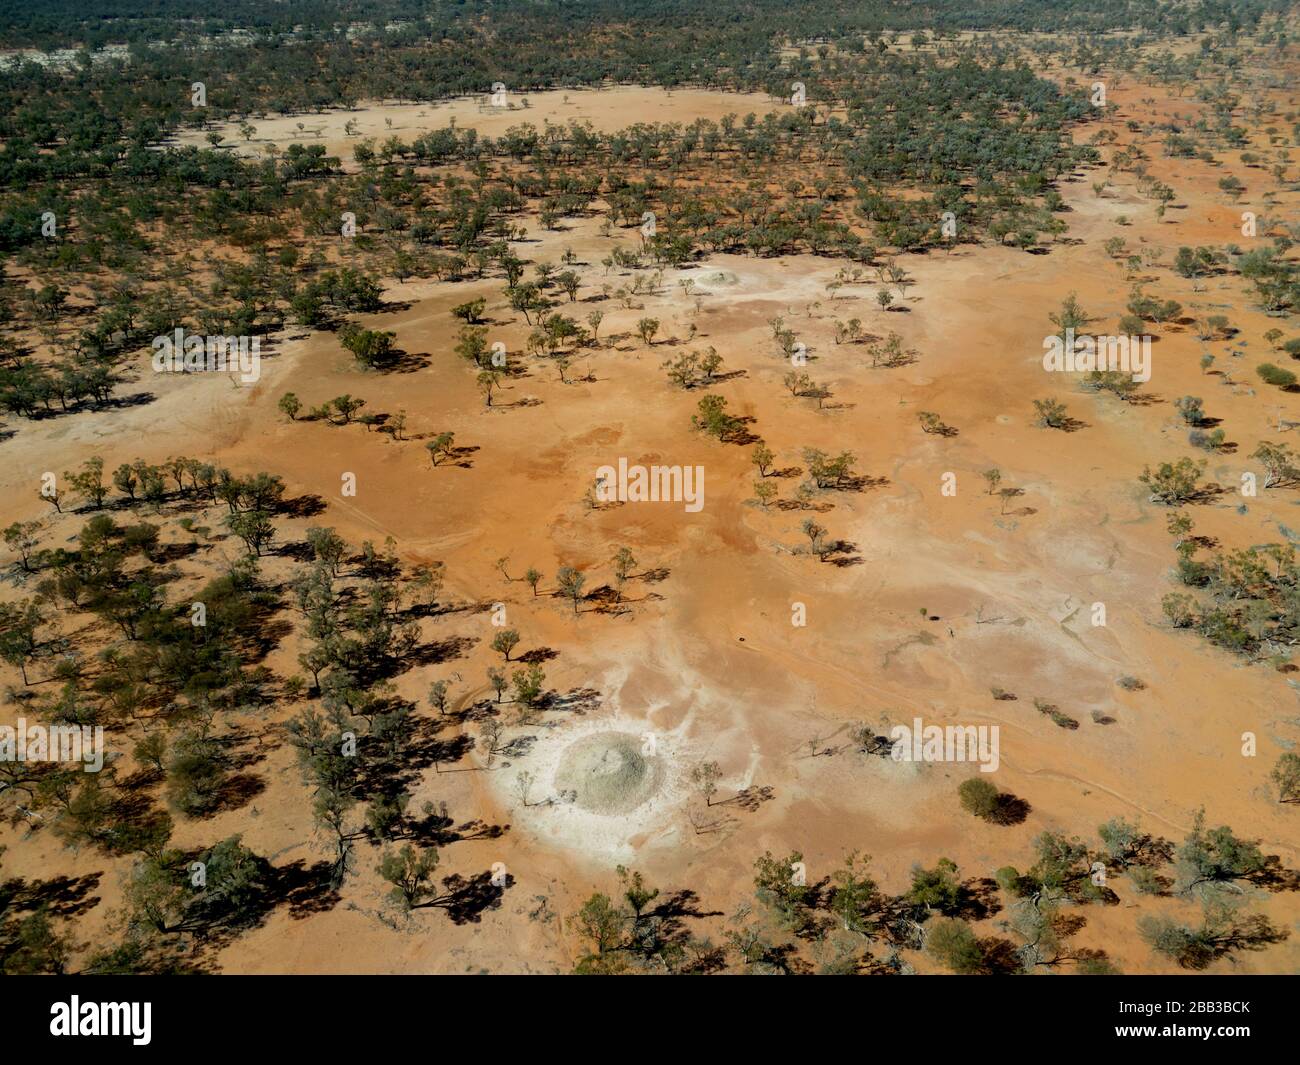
[1275,375]
[978,797]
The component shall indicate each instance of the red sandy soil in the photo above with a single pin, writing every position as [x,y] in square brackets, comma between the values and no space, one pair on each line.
[707,659]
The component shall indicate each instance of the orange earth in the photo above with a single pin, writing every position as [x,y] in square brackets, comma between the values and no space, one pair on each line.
[949,597]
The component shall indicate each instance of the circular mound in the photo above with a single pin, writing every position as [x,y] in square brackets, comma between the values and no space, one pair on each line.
[607,773]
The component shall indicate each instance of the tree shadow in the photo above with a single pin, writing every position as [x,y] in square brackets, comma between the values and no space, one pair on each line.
[1008,809]
[998,957]
[751,798]
[841,554]
[405,362]
[61,896]
[578,701]
[439,830]
[739,432]
[538,655]
[432,750]
[307,890]
[438,651]
[977,899]
[1069,424]
[303,506]
[466,898]
[1275,877]
[1252,933]
[236,791]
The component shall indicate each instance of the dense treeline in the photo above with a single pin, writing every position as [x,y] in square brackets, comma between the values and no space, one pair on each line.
[844,923]
[72,23]
[982,141]
[174,670]
[381,50]
[902,127]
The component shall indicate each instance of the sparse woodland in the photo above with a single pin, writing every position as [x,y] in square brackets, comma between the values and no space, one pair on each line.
[205,616]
